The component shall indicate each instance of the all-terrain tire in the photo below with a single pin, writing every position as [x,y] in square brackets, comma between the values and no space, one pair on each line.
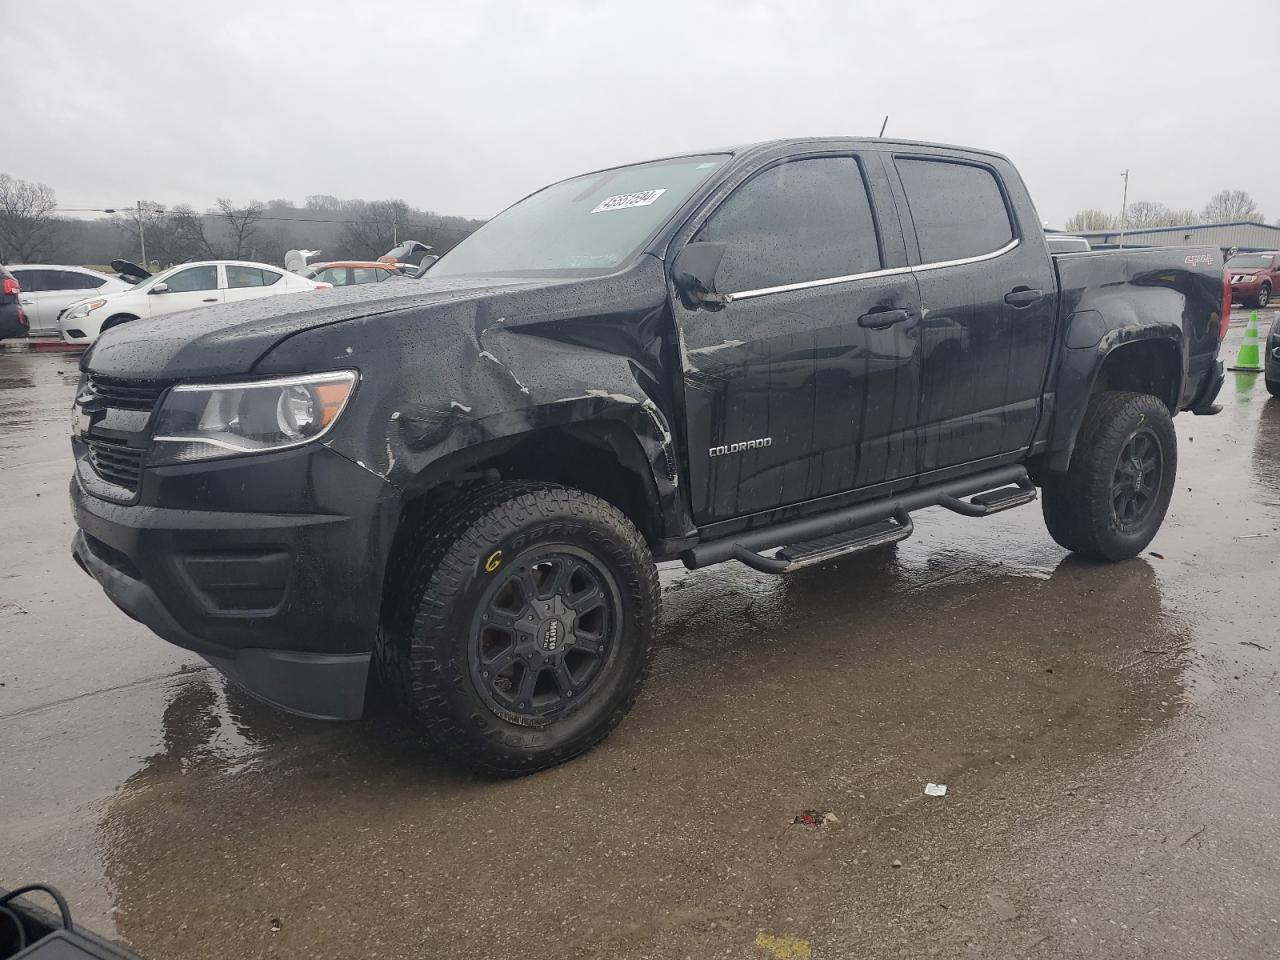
[426,651]
[1079,505]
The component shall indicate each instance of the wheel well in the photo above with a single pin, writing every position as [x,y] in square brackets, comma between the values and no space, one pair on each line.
[602,458]
[116,319]
[1145,366]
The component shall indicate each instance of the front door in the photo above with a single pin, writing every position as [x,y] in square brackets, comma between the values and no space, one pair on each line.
[806,383]
[188,288]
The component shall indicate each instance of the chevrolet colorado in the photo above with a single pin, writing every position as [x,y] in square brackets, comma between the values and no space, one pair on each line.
[455,489]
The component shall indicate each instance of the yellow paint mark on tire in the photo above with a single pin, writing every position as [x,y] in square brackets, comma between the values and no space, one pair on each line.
[784,948]
[494,561]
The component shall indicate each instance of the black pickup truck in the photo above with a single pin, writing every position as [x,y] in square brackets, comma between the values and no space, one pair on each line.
[455,491]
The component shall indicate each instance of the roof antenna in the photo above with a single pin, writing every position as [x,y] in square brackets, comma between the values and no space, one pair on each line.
[883,125]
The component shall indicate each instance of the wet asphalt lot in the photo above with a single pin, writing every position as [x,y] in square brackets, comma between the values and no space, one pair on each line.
[1108,736]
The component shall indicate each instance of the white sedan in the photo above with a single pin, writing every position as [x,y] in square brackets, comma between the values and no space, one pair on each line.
[49,288]
[183,287]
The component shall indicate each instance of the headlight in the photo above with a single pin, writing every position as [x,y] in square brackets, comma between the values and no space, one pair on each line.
[82,310]
[201,421]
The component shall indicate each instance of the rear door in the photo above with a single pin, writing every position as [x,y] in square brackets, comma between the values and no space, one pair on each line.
[249,283]
[68,287]
[30,281]
[807,382]
[988,301]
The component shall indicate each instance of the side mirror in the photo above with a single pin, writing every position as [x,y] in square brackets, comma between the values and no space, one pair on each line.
[694,273]
[160,288]
[426,264]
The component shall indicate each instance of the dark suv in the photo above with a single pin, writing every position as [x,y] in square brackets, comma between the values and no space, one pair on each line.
[13,322]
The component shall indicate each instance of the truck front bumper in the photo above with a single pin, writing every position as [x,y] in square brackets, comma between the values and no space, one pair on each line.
[284,602]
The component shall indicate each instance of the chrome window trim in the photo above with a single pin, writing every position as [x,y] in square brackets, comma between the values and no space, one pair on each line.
[889,272]
[939,264]
[806,284]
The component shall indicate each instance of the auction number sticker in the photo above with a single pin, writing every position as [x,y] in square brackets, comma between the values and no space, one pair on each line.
[623,201]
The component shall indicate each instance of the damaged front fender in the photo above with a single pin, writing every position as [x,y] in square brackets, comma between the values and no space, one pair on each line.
[446,386]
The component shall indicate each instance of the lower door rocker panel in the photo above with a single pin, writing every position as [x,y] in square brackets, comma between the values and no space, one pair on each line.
[865,526]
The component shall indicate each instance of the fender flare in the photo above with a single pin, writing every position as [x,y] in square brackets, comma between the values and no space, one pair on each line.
[1081,366]
[432,449]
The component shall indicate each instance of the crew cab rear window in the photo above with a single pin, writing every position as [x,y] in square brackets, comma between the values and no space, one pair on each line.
[957,208]
[796,221]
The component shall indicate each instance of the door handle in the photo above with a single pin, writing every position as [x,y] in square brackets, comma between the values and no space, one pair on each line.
[1022,297]
[27,300]
[881,319]
[209,300]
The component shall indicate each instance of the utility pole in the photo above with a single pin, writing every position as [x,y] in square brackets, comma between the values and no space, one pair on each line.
[142,239]
[1124,206]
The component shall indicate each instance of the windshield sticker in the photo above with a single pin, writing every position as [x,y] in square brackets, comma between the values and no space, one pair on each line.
[623,201]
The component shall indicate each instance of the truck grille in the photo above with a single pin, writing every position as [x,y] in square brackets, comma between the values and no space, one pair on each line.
[115,462]
[126,394]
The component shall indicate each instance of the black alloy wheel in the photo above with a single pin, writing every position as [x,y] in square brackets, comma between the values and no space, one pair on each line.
[544,633]
[1137,481]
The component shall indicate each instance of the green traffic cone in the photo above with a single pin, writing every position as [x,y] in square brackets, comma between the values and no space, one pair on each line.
[1248,359]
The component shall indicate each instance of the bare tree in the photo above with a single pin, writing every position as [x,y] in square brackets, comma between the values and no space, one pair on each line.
[374,227]
[1086,220]
[189,238]
[241,224]
[28,229]
[1147,214]
[322,201]
[147,219]
[173,236]
[1232,206]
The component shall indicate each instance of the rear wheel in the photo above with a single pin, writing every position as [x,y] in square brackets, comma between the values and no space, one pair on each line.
[525,627]
[1112,500]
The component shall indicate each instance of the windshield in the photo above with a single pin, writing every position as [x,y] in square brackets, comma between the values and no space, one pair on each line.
[581,227]
[1250,261]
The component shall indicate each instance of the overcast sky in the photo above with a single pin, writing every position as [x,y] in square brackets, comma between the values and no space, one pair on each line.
[464,107]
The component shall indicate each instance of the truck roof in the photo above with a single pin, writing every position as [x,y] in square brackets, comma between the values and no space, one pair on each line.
[762,145]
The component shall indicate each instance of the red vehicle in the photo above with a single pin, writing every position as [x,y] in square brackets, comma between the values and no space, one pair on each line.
[344,273]
[13,322]
[1254,277]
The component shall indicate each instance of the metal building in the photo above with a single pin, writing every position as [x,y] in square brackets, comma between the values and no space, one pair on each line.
[1243,235]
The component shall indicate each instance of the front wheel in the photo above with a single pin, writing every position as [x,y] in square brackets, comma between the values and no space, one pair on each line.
[1263,297]
[117,320]
[1113,498]
[526,626]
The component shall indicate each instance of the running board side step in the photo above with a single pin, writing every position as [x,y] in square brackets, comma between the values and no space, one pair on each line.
[985,504]
[852,529]
[797,556]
